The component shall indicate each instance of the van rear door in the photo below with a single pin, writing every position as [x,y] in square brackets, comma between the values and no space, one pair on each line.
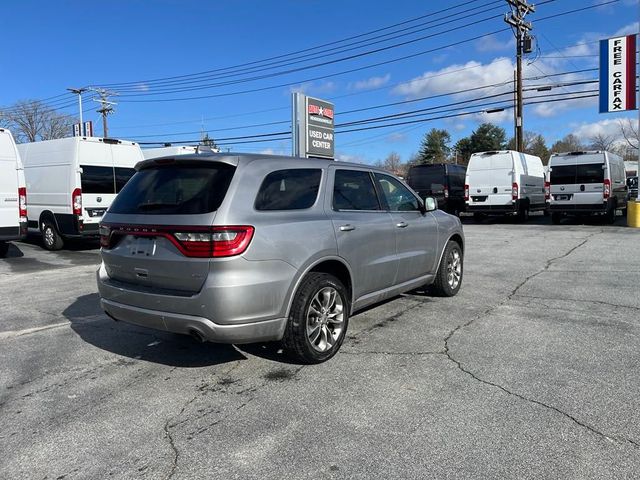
[490,179]
[578,180]
[9,210]
[96,180]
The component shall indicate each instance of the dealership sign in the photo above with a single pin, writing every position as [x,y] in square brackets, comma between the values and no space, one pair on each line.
[313,127]
[618,74]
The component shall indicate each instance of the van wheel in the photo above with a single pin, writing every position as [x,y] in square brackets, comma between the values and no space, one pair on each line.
[4,249]
[51,238]
[555,218]
[523,214]
[610,216]
[449,276]
[318,319]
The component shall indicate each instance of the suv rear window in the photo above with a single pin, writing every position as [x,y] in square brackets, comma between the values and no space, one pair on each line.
[293,189]
[175,190]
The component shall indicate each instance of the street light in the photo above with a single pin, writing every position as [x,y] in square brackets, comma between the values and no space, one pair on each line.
[79,91]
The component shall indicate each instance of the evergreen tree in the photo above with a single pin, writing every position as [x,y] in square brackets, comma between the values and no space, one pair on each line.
[435,146]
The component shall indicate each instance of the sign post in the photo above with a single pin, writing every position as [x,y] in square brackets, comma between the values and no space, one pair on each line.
[312,127]
[618,76]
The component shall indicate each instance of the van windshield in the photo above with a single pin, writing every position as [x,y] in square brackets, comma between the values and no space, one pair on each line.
[175,190]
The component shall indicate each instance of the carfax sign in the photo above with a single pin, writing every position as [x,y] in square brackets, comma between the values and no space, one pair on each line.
[618,74]
[313,127]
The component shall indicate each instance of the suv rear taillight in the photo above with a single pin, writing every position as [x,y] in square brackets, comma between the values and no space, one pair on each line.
[22,203]
[446,192]
[195,242]
[514,191]
[466,192]
[547,190]
[76,201]
[607,188]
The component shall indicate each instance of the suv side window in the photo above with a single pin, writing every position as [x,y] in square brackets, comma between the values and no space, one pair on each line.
[293,189]
[354,190]
[398,197]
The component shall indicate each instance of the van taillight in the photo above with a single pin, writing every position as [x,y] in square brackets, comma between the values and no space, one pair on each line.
[446,192]
[22,203]
[514,191]
[76,201]
[466,192]
[547,190]
[607,188]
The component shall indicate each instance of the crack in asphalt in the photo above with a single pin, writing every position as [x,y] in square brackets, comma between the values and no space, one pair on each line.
[412,354]
[509,297]
[596,302]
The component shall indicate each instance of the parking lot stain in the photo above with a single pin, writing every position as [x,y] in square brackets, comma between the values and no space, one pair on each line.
[280,374]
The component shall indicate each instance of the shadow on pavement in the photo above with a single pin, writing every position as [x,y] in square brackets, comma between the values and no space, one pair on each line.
[72,245]
[13,252]
[94,327]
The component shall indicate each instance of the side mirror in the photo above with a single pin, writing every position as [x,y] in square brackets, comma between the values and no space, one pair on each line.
[430,204]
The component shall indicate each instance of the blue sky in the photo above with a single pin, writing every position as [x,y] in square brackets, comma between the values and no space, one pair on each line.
[73,44]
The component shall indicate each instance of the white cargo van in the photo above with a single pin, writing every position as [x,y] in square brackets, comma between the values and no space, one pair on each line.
[71,183]
[172,150]
[587,183]
[504,183]
[13,194]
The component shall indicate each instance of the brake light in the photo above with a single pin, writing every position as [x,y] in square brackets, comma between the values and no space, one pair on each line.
[76,201]
[446,192]
[466,192]
[607,188]
[22,203]
[514,191]
[195,242]
[547,190]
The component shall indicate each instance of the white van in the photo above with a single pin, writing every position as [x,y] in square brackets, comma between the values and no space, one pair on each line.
[504,183]
[71,183]
[13,194]
[172,150]
[587,183]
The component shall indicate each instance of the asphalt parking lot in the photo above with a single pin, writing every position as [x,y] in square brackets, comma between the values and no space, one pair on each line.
[530,372]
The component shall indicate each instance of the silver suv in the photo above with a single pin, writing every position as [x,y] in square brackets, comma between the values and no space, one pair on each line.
[253,248]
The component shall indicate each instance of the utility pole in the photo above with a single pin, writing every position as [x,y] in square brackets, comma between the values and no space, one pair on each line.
[521,29]
[79,92]
[106,107]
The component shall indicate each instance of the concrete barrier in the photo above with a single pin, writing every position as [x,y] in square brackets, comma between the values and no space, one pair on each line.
[633,214]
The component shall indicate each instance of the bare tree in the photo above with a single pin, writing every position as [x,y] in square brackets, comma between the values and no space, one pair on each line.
[630,132]
[603,142]
[31,121]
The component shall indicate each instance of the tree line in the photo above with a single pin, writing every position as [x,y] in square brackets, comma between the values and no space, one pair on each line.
[436,145]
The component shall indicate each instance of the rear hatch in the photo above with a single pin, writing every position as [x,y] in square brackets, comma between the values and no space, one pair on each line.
[577,179]
[158,232]
[490,179]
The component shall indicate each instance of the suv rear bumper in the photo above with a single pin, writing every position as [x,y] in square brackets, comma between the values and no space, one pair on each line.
[264,331]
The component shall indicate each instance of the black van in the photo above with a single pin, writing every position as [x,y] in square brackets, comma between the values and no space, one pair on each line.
[443,181]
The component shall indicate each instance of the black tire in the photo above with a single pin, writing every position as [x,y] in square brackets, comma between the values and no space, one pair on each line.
[556,218]
[4,249]
[443,285]
[296,341]
[523,213]
[51,238]
[610,216]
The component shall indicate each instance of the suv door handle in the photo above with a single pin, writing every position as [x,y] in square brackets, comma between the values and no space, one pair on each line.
[402,224]
[347,228]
